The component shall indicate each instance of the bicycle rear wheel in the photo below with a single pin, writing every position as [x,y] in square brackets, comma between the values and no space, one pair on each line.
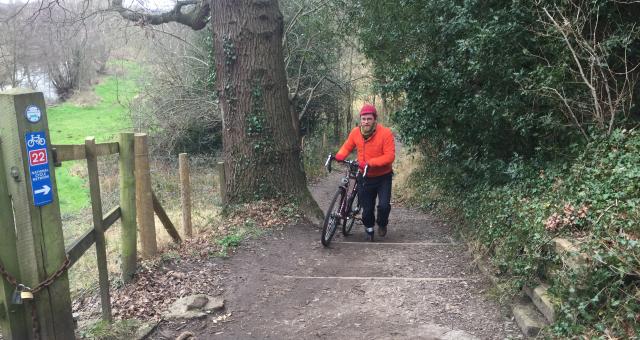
[354,209]
[332,219]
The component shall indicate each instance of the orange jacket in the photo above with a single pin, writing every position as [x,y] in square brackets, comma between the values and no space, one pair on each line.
[379,151]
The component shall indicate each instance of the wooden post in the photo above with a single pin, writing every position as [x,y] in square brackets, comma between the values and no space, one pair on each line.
[222,183]
[96,209]
[144,203]
[12,317]
[31,182]
[185,193]
[324,141]
[128,206]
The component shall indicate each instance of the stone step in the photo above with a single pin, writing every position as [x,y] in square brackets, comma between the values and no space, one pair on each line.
[542,300]
[570,253]
[550,271]
[527,317]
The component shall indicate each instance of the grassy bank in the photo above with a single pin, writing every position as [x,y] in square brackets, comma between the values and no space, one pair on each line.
[101,111]
[106,114]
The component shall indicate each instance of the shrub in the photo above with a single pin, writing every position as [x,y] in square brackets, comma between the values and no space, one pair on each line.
[592,198]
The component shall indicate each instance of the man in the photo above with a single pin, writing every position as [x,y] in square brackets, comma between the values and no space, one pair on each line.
[376,148]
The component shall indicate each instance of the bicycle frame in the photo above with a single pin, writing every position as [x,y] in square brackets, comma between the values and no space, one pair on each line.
[340,209]
[348,181]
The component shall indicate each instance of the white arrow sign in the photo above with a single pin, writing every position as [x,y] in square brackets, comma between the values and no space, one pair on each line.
[45,190]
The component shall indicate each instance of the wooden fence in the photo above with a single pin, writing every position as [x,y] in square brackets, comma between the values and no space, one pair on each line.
[32,249]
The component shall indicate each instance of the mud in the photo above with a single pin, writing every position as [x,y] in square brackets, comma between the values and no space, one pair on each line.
[418,282]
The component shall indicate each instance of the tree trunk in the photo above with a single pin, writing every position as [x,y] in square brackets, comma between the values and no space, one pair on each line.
[337,126]
[261,152]
[350,92]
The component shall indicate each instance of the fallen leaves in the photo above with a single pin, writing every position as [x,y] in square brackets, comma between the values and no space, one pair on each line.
[265,214]
[154,288]
[188,268]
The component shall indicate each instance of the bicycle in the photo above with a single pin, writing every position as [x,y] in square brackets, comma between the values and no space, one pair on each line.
[36,140]
[345,205]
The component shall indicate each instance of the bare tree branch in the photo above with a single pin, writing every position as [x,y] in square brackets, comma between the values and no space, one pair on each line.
[610,90]
[570,114]
[306,105]
[586,81]
[197,18]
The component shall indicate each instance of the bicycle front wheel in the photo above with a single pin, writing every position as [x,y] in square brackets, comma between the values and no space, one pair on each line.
[354,209]
[332,219]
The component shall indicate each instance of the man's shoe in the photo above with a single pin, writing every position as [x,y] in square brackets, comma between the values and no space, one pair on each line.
[382,230]
[369,232]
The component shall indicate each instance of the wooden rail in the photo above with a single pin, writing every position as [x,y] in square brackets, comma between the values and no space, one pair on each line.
[84,242]
[164,218]
[63,153]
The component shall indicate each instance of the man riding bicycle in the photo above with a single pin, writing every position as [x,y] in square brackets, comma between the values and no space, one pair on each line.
[375,146]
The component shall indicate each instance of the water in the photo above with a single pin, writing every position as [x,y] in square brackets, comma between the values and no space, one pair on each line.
[41,82]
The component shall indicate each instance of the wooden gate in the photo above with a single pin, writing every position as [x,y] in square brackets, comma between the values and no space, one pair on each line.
[32,253]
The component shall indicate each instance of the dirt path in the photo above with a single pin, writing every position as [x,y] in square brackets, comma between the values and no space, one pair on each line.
[417,283]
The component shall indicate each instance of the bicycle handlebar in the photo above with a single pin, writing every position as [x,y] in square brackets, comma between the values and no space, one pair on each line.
[327,164]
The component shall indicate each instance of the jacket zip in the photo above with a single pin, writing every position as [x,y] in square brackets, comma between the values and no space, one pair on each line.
[364,146]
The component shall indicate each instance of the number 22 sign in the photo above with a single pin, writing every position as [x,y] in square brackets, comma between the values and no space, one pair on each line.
[37,157]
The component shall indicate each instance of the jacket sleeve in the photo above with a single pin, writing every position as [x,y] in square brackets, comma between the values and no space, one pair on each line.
[346,148]
[388,153]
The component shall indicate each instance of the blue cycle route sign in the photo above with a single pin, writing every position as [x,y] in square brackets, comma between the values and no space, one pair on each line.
[41,187]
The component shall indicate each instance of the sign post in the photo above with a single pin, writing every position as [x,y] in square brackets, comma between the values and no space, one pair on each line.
[12,317]
[30,182]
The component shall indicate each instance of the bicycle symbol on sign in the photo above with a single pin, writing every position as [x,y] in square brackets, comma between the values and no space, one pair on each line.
[36,140]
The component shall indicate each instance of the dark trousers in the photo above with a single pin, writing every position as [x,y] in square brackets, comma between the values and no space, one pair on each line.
[368,189]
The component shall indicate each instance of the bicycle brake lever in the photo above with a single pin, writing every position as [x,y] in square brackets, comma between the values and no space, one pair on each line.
[366,169]
[327,164]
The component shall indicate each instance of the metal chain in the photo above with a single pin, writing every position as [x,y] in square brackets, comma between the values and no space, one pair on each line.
[35,326]
[12,280]
[46,283]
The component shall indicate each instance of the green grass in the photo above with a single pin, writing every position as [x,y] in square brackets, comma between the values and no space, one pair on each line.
[247,230]
[102,330]
[73,192]
[71,124]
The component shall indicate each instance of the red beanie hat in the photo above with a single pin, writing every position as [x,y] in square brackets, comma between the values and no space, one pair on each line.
[369,109]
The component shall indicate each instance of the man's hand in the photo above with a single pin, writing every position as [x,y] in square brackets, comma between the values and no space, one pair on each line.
[339,158]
